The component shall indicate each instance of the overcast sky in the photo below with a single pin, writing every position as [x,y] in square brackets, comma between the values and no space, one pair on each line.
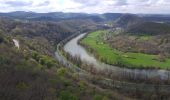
[87,6]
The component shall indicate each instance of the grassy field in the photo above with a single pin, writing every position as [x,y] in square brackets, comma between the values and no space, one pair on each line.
[112,56]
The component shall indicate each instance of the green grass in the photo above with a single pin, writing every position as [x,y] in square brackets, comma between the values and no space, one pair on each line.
[145,37]
[113,56]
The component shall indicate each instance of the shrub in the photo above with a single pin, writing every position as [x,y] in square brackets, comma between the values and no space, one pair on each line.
[98,97]
[22,86]
[82,85]
[66,95]
[62,71]
[1,39]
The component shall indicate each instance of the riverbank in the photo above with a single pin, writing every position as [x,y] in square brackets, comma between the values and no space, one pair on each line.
[103,52]
[78,55]
[127,87]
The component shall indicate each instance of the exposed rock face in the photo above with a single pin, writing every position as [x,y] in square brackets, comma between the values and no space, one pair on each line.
[16,43]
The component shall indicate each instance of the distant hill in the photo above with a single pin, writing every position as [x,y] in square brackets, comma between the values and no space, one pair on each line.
[58,16]
[111,16]
[156,17]
[128,20]
[52,16]
[133,24]
[53,31]
[150,28]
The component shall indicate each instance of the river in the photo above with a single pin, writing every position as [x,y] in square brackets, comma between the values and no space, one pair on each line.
[74,49]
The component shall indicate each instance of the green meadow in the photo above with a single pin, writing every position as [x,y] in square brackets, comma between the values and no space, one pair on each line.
[112,56]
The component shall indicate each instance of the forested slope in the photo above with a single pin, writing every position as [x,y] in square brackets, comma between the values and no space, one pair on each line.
[31,72]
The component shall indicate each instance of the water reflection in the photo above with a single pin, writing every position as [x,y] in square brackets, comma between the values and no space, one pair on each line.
[75,49]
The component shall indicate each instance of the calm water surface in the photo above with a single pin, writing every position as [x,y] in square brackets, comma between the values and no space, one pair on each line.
[73,48]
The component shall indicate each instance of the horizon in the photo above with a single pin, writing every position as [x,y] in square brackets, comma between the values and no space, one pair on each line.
[87,6]
[89,13]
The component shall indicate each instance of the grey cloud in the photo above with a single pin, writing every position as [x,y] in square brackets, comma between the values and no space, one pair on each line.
[18,3]
[142,0]
[88,3]
[89,6]
[138,1]
[120,2]
[45,3]
[166,0]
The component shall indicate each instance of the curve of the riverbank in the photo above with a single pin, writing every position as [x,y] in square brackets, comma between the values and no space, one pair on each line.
[73,48]
[108,82]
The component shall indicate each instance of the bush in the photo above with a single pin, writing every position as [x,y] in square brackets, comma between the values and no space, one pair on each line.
[66,95]
[98,97]
[22,86]
[62,71]
[1,38]
[3,60]
[82,85]
[44,60]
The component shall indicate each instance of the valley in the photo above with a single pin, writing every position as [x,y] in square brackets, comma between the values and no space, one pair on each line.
[79,56]
[104,52]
